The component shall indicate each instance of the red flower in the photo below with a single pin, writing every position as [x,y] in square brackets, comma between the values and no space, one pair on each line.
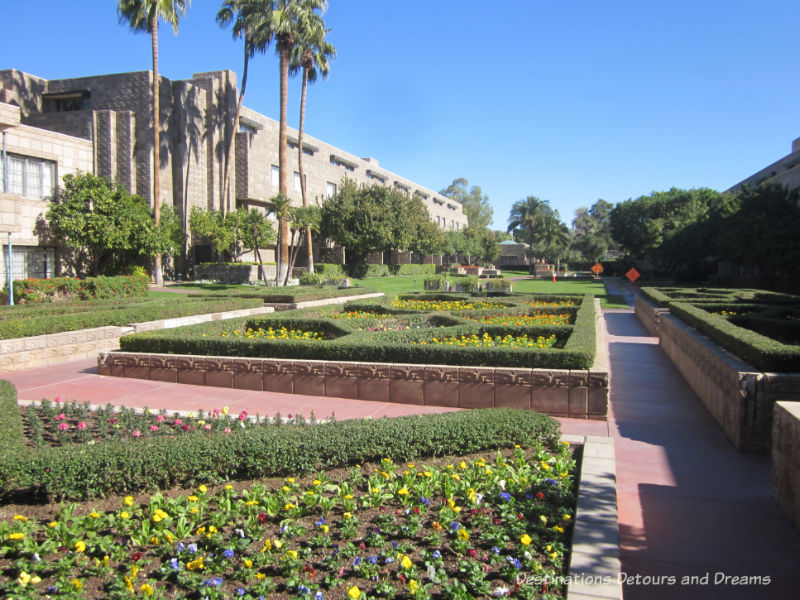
[540,495]
[136,556]
[262,517]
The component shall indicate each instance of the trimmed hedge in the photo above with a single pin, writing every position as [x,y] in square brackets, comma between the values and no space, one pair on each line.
[70,288]
[291,296]
[330,270]
[81,471]
[577,341]
[763,353]
[10,418]
[120,315]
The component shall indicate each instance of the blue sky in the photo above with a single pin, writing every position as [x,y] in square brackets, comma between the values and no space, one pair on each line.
[566,101]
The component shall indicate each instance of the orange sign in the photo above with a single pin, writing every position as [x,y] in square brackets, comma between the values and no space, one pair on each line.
[632,275]
[597,269]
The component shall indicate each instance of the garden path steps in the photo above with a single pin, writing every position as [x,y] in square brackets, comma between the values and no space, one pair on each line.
[689,504]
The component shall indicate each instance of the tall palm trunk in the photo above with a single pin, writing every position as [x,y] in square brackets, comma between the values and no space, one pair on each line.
[232,140]
[283,176]
[309,246]
[156,141]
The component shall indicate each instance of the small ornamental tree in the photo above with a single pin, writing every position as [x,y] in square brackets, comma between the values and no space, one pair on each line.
[374,218]
[105,227]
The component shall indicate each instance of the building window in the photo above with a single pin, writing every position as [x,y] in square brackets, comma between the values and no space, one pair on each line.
[29,177]
[275,176]
[297,186]
[247,128]
[330,189]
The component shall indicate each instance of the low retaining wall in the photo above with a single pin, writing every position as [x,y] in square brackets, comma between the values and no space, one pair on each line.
[326,301]
[786,459]
[739,397]
[595,566]
[41,350]
[649,314]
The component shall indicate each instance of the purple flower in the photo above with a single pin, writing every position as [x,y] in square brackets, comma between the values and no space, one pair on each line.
[356,561]
[303,589]
[175,564]
[495,550]
[192,548]
[373,560]
[319,596]
[320,521]
[455,526]
[181,547]
[228,554]
[239,591]
[436,554]
[213,582]
[505,497]
[551,481]
[425,501]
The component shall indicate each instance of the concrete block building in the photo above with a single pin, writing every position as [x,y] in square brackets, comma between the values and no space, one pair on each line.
[785,171]
[103,124]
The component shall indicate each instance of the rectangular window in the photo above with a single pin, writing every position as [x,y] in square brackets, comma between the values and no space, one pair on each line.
[16,167]
[275,176]
[31,177]
[297,186]
[330,189]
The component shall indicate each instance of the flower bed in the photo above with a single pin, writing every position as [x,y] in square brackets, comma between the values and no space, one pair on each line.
[465,528]
[393,333]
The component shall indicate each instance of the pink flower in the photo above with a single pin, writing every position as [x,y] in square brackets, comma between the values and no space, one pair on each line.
[57,399]
[242,415]
[216,412]
[227,430]
[178,421]
[207,426]
[63,426]
[185,427]
[81,425]
[136,433]
[112,421]
[153,427]
[61,417]
[160,418]
[290,416]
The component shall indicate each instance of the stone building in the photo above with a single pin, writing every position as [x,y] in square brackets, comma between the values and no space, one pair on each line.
[103,124]
[785,171]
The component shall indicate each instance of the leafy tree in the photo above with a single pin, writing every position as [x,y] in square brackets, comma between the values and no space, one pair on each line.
[143,16]
[474,202]
[106,227]
[312,54]
[374,218]
[255,232]
[553,237]
[592,231]
[304,221]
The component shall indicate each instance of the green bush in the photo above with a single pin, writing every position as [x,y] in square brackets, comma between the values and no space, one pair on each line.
[70,288]
[363,271]
[119,315]
[11,430]
[330,270]
[578,340]
[413,270]
[81,471]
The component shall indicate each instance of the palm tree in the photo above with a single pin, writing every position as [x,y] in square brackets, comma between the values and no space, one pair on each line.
[281,206]
[304,220]
[142,16]
[246,16]
[312,54]
[526,219]
[553,236]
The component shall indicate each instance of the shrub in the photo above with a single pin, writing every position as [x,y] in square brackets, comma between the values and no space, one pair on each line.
[80,472]
[11,430]
[330,270]
[364,271]
[70,288]
[413,270]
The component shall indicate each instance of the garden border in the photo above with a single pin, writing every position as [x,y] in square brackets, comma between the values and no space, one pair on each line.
[580,393]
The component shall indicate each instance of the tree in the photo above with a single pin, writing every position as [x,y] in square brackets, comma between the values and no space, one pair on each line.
[304,220]
[143,16]
[245,16]
[375,218]
[463,243]
[280,206]
[592,231]
[106,227]
[525,221]
[474,202]
[553,237]
[312,54]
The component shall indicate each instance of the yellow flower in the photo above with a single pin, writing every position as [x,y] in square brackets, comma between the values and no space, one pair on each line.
[316,482]
[250,503]
[159,515]
[202,489]
[78,584]
[403,491]
[286,488]
[195,565]
[567,517]
[288,506]
[212,529]
[348,496]
[292,553]
[200,530]
[24,578]
[406,562]
[124,515]
[558,528]
[248,563]
[225,410]
[545,466]
[128,501]
[192,498]
[290,479]
[525,539]
[229,487]
[543,519]
[324,528]
[462,465]
[347,515]
[52,524]
[94,514]
[463,534]
[553,555]
[154,541]
[413,586]
[354,593]
[146,589]
[16,536]
[80,546]
[278,544]
[20,518]
[267,546]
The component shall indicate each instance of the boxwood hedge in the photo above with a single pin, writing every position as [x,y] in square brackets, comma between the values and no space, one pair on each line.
[83,471]
[575,348]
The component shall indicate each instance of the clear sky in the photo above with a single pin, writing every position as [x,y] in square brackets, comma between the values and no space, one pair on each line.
[566,101]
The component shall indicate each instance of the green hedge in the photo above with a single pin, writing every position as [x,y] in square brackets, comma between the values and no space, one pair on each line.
[81,471]
[758,350]
[10,418]
[413,270]
[578,340]
[290,296]
[120,315]
[330,270]
[70,288]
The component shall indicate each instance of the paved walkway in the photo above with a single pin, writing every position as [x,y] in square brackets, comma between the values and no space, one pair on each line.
[689,504]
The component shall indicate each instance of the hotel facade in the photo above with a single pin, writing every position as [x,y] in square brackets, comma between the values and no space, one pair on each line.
[103,125]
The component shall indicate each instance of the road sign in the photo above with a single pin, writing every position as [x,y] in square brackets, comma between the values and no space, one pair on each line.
[632,275]
[597,269]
